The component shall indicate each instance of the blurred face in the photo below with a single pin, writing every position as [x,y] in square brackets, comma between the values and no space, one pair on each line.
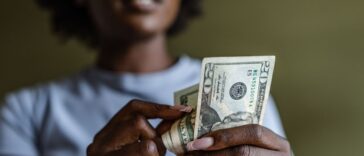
[133,18]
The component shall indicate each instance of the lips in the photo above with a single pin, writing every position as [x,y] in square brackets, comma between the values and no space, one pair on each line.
[142,6]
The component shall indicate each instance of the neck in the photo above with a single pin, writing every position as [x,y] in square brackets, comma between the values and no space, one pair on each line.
[142,56]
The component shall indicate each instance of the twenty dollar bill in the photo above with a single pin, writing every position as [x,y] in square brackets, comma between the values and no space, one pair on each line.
[233,91]
[182,131]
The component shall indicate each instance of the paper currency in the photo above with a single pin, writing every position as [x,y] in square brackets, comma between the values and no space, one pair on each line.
[233,91]
[182,130]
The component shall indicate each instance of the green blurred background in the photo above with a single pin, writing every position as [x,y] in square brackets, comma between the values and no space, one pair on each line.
[318,82]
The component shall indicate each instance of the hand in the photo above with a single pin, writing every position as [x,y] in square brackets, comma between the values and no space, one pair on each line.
[248,140]
[129,132]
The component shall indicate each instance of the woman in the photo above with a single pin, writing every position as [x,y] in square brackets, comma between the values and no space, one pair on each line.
[64,117]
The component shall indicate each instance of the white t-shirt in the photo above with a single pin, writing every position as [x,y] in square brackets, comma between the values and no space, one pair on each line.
[61,118]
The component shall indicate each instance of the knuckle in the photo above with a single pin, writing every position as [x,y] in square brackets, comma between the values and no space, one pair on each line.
[256,132]
[133,103]
[98,136]
[91,150]
[157,107]
[223,137]
[97,147]
[149,147]
[286,146]
[140,122]
[243,151]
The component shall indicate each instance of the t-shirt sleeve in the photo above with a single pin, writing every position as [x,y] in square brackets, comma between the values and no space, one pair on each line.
[17,132]
[272,119]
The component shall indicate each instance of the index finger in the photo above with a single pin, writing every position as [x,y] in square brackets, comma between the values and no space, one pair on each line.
[152,110]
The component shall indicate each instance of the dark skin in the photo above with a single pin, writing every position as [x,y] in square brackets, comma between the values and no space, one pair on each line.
[133,39]
[129,133]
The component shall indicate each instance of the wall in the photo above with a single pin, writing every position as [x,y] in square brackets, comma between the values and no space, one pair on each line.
[318,81]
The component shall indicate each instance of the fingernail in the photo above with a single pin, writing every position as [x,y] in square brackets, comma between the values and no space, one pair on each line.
[200,144]
[151,147]
[189,109]
[182,108]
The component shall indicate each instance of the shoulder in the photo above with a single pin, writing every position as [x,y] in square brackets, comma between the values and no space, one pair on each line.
[31,99]
[191,62]
[190,66]
[186,73]
[25,112]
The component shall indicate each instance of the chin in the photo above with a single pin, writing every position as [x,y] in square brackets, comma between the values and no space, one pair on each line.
[146,27]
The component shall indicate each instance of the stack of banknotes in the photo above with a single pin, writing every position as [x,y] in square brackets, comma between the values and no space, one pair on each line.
[233,91]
